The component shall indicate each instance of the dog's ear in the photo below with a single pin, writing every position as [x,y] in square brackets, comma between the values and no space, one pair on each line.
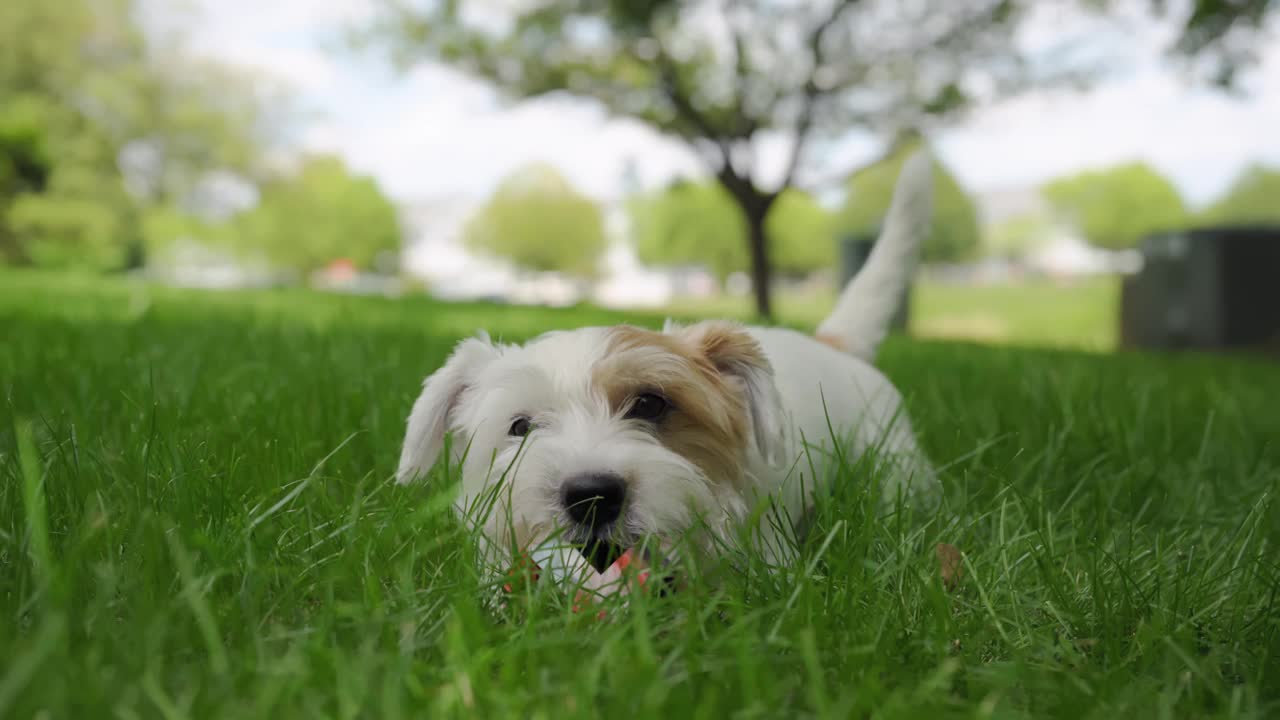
[433,412]
[737,356]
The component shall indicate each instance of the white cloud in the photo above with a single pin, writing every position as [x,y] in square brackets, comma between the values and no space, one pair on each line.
[445,145]
[285,38]
[1199,137]
[305,71]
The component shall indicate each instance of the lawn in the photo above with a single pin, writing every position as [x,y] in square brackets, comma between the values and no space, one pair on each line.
[1075,314]
[196,520]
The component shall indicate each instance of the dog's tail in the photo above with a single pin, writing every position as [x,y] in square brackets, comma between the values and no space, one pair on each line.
[865,309]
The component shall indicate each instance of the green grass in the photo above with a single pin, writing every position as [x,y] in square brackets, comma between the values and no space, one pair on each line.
[1079,314]
[196,520]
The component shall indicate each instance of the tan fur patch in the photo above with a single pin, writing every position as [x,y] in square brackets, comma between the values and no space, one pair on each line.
[727,345]
[709,422]
[831,341]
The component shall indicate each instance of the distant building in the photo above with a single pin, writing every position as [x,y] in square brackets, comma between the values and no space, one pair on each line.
[187,262]
[625,282]
[433,252]
[1059,250]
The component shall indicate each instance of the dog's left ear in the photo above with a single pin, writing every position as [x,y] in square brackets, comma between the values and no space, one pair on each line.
[740,359]
[434,410]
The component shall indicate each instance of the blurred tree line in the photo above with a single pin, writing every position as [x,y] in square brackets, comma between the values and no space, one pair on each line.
[1114,208]
[114,143]
[721,75]
[693,223]
[540,222]
[537,220]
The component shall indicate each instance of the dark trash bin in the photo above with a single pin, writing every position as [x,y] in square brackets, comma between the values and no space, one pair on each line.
[854,251]
[1208,289]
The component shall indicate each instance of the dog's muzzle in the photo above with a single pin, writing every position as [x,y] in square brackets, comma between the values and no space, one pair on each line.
[595,502]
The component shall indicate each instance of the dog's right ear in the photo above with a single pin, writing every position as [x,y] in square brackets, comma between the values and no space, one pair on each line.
[433,412]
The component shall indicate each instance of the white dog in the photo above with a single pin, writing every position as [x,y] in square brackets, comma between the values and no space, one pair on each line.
[606,435]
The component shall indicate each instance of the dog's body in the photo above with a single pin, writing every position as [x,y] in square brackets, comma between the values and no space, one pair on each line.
[610,435]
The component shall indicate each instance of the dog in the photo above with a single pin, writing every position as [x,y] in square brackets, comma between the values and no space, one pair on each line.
[606,435]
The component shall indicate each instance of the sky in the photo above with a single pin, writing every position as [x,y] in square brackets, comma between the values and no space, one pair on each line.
[432,133]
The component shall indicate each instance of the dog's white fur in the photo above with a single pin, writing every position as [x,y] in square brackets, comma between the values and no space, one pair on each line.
[754,417]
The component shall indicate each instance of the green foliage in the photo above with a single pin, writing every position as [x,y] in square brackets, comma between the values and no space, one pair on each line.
[24,159]
[802,234]
[318,214]
[1253,199]
[1116,207]
[538,221]
[954,235]
[62,200]
[61,203]
[690,224]
[1223,35]
[24,168]
[114,124]
[1018,235]
[196,520]
[78,229]
[1214,41]
[697,223]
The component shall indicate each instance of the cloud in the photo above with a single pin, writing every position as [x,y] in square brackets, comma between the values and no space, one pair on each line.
[289,39]
[440,133]
[1199,137]
[1142,111]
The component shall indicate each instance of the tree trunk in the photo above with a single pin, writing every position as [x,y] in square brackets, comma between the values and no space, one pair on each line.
[755,210]
[135,254]
[135,249]
[760,266]
[754,205]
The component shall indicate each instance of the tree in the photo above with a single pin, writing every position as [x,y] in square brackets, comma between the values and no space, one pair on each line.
[539,222]
[24,169]
[954,235]
[320,213]
[1221,35]
[696,223]
[1254,198]
[690,223]
[63,202]
[125,124]
[189,121]
[1116,207]
[718,75]
[721,75]
[803,232]
[1018,235]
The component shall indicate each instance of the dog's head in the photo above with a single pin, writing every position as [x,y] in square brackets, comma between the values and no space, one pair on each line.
[601,436]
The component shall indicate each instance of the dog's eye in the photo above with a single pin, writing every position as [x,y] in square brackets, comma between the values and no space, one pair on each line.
[648,407]
[520,427]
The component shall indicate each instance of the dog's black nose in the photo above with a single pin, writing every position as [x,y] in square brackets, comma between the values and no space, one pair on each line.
[594,499]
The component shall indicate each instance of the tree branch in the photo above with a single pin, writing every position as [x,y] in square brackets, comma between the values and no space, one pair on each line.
[669,83]
[804,124]
[741,69]
[846,172]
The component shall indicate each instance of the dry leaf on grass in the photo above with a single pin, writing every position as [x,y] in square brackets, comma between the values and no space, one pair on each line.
[952,563]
